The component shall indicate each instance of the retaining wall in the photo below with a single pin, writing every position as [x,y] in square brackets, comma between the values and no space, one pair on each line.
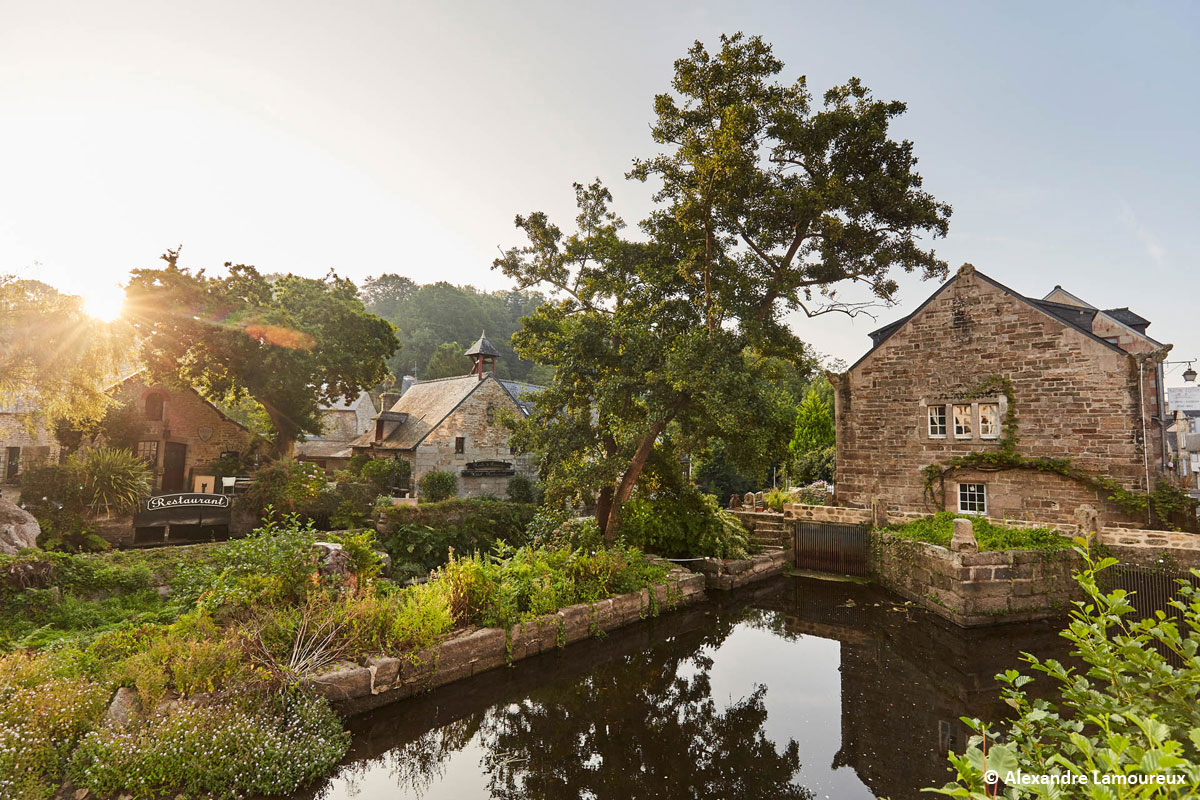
[353,688]
[723,575]
[973,589]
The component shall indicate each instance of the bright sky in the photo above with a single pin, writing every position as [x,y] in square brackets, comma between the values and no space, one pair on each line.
[377,137]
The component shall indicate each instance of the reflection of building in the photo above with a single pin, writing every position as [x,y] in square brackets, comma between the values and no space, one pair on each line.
[1080,383]
[454,425]
[24,440]
[180,433]
[341,423]
[907,677]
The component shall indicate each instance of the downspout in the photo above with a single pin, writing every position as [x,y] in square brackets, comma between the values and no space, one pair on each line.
[1145,441]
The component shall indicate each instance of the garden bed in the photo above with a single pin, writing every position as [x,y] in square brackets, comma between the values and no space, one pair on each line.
[380,680]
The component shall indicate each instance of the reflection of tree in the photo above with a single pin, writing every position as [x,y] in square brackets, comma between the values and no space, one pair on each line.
[646,726]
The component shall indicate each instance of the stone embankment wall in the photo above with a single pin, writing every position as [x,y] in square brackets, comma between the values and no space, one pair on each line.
[353,687]
[972,589]
[725,575]
[378,681]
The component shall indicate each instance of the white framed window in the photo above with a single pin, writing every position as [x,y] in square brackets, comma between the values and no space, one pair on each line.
[962,421]
[937,422]
[989,420]
[972,498]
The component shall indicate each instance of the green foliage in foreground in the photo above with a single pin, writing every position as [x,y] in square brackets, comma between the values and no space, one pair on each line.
[1131,713]
[296,737]
[683,524]
[219,668]
[939,529]
[437,486]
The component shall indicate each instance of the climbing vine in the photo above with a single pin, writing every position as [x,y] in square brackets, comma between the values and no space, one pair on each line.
[1165,501]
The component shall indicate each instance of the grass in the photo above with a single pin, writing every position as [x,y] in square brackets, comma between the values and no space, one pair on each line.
[939,529]
[219,665]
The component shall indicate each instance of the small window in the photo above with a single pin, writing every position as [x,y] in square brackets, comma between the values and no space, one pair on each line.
[962,421]
[148,452]
[937,422]
[460,445]
[154,407]
[989,420]
[972,498]
[491,414]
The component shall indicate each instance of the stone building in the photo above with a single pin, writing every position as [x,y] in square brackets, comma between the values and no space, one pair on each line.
[979,368]
[24,440]
[181,434]
[454,425]
[341,424]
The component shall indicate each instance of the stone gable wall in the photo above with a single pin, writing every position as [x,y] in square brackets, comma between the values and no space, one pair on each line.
[184,415]
[1074,397]
[486,440]
[36,443]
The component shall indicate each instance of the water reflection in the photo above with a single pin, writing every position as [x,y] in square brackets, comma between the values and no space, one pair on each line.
[795,689]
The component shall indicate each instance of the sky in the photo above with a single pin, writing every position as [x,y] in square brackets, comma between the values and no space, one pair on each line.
[372,137]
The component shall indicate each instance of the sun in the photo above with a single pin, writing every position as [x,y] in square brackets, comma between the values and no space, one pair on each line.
[104,302]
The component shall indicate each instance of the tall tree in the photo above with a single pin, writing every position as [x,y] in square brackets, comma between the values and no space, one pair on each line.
[764,205]
[290,343]
[55,360]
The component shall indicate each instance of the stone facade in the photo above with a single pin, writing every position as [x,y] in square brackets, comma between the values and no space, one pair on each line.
[972,589]
[1076,395]
[453,425]
[24,441]
[182,433]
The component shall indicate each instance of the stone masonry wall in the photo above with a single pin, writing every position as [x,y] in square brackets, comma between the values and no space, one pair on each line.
[36,443]
[486,440]
[354,688]
[1074,397]
[973,589]
[189,420]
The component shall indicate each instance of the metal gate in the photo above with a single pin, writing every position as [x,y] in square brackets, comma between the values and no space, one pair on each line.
[835,547]
[1152,590]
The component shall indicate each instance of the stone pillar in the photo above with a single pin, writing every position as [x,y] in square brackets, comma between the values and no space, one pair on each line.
[735,502]
[964,537]
[878,512]
[1088,520]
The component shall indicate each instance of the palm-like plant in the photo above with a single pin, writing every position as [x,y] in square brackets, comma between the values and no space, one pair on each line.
[112,479]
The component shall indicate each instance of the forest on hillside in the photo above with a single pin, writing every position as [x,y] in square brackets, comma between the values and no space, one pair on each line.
[436,322]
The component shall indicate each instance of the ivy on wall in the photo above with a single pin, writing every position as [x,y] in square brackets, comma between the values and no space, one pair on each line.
[1164,502]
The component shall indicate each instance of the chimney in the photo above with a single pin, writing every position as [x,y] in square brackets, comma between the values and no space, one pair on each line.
[387,400]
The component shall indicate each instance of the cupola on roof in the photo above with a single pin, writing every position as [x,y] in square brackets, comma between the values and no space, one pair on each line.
[482,347]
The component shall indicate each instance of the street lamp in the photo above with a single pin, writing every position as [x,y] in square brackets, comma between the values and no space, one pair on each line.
[1189,374]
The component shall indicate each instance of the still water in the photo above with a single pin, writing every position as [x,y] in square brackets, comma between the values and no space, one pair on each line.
[798,688]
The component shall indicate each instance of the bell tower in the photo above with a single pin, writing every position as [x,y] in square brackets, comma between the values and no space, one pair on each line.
[483,356]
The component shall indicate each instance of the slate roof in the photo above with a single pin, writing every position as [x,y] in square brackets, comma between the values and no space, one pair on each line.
[1129,318]
[522,393]
[426,403]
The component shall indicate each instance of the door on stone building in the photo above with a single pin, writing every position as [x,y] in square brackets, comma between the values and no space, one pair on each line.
[174,459]
[12,464]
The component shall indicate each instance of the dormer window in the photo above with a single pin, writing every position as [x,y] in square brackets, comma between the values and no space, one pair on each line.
[154,407]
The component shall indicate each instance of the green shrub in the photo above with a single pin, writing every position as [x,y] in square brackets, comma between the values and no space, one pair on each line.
[282,487]
[1132,711]
[687,524]
[437,486]
[386,475]
[249,748]
[939,529]
[522,489]
[777,497]
[112,480]
[528,582]
[419,538]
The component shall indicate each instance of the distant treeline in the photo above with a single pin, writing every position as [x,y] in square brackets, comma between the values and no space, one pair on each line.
[436,322]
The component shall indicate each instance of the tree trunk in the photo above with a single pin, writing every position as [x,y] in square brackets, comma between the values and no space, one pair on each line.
[629,480]
[285,431]
[603,505]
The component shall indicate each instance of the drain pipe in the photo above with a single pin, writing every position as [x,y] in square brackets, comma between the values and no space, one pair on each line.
[1145,440]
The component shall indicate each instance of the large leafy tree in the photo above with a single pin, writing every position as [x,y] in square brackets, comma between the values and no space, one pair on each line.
[290,343]
[55,360]
[766,205]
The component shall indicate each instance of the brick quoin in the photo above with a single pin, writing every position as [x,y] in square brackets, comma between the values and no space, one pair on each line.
[1076,396]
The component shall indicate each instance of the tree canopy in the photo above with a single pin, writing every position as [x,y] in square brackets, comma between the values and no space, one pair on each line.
[290,343]
[431,318]
[766,205]
[55,360]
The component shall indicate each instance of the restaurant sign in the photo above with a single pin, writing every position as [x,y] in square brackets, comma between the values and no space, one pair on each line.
[189,508]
